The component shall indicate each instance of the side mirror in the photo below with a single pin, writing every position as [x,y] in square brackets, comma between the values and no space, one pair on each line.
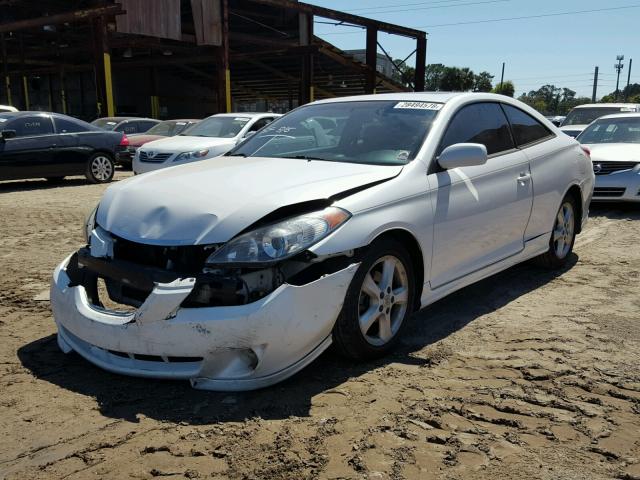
[463,155]
[7,134]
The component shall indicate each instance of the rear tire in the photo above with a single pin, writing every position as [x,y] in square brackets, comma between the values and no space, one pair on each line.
[100,168]
[378,301]
[563,236]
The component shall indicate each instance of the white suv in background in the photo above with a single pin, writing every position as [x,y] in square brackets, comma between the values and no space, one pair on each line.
[211,137]
[581,116]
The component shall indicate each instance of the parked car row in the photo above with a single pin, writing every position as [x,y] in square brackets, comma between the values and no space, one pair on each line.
[52,145]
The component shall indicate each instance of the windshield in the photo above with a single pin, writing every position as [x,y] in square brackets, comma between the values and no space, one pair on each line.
[584,116]
[614,130]
[167,128]
[220,127]
[375,132]
[104,123]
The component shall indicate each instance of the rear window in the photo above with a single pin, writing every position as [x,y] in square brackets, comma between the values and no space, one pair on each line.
[584,116]
[31,126]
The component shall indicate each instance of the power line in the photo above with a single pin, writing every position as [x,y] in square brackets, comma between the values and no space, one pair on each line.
[544,15]
[402,5]
[377,12]
[508,19]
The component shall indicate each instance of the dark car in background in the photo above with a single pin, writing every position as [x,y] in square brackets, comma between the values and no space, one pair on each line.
[52,146]
[128,125]
[167,128]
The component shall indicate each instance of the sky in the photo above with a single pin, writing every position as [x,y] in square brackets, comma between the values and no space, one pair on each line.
[561,49]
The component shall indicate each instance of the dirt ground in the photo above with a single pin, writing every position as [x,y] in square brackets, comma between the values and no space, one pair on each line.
[529,374]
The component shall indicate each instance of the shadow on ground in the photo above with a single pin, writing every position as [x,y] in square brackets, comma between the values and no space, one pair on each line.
[124,397]
[615,210]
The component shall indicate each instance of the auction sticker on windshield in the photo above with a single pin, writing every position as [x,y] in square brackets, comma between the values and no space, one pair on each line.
[419,105]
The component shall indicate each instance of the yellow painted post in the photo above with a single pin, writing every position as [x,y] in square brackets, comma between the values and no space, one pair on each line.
[26,92]
[155,106]
[227,89]
[311,94]
[108,85]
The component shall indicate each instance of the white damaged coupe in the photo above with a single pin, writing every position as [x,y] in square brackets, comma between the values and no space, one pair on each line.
[330,226]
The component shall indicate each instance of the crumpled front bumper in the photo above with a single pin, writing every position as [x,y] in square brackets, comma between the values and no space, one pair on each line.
[217,348]
[622,186]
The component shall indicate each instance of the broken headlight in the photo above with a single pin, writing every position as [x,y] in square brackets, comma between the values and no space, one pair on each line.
[89,225]
[280,240]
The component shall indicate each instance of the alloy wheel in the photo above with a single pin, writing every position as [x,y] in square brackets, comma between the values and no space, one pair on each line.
[383,300]
[101,168]
[563,230]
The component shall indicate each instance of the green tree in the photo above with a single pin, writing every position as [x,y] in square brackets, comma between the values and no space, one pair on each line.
[506,88]
[482,82]
[631,92]
[433,76]
[456,79]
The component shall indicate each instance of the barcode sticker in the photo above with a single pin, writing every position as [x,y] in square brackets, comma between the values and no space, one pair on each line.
[419,105]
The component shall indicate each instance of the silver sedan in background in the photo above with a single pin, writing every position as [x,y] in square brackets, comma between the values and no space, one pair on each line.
[614,142]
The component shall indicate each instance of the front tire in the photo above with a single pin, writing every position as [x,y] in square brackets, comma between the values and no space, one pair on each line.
[563,236]
[379,300]
[100,168]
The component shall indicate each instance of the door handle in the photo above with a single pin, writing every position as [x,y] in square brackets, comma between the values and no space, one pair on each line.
[524,178]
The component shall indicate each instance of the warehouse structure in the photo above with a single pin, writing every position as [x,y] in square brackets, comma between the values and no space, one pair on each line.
[175,58]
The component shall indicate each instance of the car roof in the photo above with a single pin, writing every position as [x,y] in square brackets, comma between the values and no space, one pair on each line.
[620,115]
[436,97]
[609,105]
[247,114]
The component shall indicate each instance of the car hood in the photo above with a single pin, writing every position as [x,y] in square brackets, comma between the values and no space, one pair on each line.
[617,152]
[213,200]
[184,143]
[140,139]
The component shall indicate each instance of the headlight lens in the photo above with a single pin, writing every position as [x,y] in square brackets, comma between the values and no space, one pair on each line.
[191,155]
[281,240]
[90,224]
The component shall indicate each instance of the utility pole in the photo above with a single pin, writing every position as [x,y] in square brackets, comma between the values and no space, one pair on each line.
[626,92]
[595,85]
[618,66]
[502,76]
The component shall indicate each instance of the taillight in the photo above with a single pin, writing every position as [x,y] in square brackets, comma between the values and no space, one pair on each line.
[586,150]
[124,141]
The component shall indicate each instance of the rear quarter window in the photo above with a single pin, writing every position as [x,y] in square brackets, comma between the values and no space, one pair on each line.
[526,129]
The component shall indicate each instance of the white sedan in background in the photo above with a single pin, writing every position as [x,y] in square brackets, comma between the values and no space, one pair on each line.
[614,142]
[209,138]
[331,225]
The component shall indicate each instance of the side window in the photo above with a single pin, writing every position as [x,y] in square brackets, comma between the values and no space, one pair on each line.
[483,123]
[64,125]
[526,129]
[31,126]
[144,126]
[127,127]
[260,123]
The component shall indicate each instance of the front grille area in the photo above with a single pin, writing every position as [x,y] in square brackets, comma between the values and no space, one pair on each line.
[188,258]
[606,168]
[157,158]
[610,192]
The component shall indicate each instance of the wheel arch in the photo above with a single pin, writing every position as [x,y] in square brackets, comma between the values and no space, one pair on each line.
[576,192]
[410,242]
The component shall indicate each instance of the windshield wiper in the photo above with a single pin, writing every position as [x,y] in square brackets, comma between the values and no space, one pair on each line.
[306,157]
[235,154]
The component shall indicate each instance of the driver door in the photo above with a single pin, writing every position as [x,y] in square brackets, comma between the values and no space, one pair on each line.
[481,212]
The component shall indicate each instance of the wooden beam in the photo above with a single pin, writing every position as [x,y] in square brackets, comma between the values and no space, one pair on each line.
[278,73]
[342,17]
[371,56]
[421,60]
[68,17]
